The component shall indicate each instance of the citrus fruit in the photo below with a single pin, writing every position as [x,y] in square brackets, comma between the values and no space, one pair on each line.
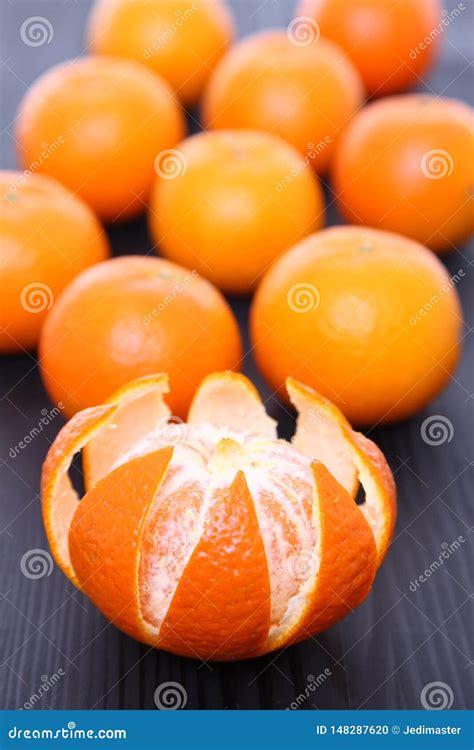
[370,319]
[392,43]
[97,124]
[406,164]
[305,94]
[129,317]
[234,202]
[220,542]
[181,42]
[47,236]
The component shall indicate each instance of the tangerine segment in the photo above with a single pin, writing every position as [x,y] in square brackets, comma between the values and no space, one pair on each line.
[141,412]
[222,604]
[59,499]
[230,398]
[105,539]
[346,571]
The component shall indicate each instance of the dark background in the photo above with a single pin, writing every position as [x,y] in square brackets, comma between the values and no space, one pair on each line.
[382,655]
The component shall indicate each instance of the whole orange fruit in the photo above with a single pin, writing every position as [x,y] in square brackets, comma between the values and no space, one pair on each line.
[392,43]
[232,202]
[96,124]
[130,317]
[369,318]
[406,164]
[305,94]
[47,236]
[218,541]
[180,41]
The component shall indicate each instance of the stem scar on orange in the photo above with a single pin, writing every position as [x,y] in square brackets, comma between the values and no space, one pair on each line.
[226,543]
[101,122]
[180,42]
[370,319]
[237,199]
[129,317]
[47,237]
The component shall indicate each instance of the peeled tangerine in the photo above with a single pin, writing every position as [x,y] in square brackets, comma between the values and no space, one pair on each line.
[214,539]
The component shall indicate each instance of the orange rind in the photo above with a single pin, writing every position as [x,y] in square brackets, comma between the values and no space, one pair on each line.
[215,539]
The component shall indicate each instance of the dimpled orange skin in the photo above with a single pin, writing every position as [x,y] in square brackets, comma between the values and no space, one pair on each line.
[129,317]
[101,122]
[242,200]
[385,39]
[47,236]
[350,310]
[180,41]
[305,94]
[406,164]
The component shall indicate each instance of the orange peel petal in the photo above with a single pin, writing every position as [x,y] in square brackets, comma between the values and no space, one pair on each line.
[344,574]
[230,556]
[105,539]
[319,433]
[140,409]
[59,499]
[229,399]
[380,506]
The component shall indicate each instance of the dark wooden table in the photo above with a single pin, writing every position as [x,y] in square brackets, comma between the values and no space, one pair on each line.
[382,655]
